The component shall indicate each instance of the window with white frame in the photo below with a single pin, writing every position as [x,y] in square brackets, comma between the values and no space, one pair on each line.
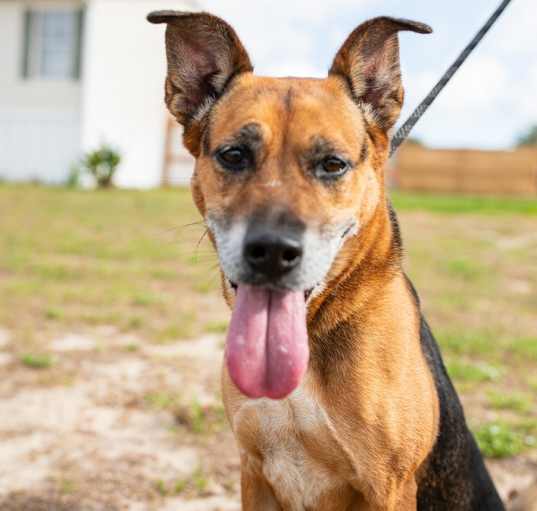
[52,44]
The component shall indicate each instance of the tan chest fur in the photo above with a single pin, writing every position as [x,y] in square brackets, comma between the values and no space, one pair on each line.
[290,444]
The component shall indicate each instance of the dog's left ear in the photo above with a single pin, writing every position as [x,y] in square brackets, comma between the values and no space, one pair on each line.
[204,53]
[369,61]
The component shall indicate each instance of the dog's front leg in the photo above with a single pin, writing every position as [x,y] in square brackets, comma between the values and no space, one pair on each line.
[256,493]
[404,498]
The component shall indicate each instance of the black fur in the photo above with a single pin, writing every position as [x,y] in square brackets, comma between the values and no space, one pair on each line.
[454,477]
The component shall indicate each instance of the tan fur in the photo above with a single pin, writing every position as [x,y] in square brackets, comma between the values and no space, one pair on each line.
[363,436]
[354,434]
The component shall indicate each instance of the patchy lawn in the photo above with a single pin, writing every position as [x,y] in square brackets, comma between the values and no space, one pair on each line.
[111,336]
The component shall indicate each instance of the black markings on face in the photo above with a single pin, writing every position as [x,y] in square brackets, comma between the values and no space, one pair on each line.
[241,151]
[249,135]
[319,149]
[322,151]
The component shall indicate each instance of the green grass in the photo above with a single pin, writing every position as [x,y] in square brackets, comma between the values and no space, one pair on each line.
[196,484]
[525,348]
[464,269]
[37,361]
[161,487]
[121,257]
[200,480]
[74,260]
[217,327]
[67,486]
[516,402]
[406,201]
[472,372]
[459,342]
[54,313]
[200,419]
[501,440]
[162,400]
[195,417]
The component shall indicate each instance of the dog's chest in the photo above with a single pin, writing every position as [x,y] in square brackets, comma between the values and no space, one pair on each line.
[291,444]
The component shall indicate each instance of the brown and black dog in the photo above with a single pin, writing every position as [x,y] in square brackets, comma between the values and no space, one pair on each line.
[333,384]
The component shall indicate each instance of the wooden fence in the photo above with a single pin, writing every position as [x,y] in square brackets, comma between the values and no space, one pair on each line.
[466,171]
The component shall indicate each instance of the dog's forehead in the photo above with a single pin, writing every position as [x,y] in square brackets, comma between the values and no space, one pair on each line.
[305,106]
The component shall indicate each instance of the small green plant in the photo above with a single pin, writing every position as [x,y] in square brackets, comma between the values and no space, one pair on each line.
[37,361]
[135,323]
[145,299]
[201,419]
[179,486]
[102,165]
[200,480]
[171,488]
[161,400]
[500,440]
[53,313]
[198,416]
[161,487]
[73,179]
[217,327]
[67,486]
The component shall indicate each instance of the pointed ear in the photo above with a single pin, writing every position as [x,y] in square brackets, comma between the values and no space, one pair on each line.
[369,61]
[204,53]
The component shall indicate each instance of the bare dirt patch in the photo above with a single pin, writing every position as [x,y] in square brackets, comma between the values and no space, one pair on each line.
[98,443]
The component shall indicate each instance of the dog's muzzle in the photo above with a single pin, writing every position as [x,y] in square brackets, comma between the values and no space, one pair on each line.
[272,250]
[270,255]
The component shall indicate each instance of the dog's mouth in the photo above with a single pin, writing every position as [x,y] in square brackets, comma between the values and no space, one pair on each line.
[307,292]
[267,344]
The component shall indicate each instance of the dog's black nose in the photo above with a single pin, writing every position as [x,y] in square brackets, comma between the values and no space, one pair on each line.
[272,255]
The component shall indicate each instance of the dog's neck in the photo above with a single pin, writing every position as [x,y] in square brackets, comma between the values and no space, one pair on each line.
[353,309]
[372,257]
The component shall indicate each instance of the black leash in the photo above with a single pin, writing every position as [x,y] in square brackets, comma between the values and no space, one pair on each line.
[406,128]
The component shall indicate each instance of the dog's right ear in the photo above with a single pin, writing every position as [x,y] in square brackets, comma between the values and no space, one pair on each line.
[204,53]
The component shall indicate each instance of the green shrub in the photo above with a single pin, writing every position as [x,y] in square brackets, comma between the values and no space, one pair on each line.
[101,164]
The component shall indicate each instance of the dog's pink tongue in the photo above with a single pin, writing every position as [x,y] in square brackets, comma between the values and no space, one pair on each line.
[267,344]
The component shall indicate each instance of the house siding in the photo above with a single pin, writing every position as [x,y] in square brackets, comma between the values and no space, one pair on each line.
[39,119]
[46,125]
[124,70]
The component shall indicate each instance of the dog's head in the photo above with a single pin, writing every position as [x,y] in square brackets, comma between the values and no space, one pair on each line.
[287,169]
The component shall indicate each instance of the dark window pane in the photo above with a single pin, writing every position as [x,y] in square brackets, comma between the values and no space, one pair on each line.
[52,44]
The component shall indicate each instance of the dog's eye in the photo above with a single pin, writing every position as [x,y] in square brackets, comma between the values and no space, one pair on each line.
[234,158]
[332,167]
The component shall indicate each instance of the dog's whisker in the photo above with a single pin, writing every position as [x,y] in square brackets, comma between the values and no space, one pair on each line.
[185,226]
[202,237]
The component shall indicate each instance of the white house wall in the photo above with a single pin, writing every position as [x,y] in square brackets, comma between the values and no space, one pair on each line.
[124,69]
[39,119]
